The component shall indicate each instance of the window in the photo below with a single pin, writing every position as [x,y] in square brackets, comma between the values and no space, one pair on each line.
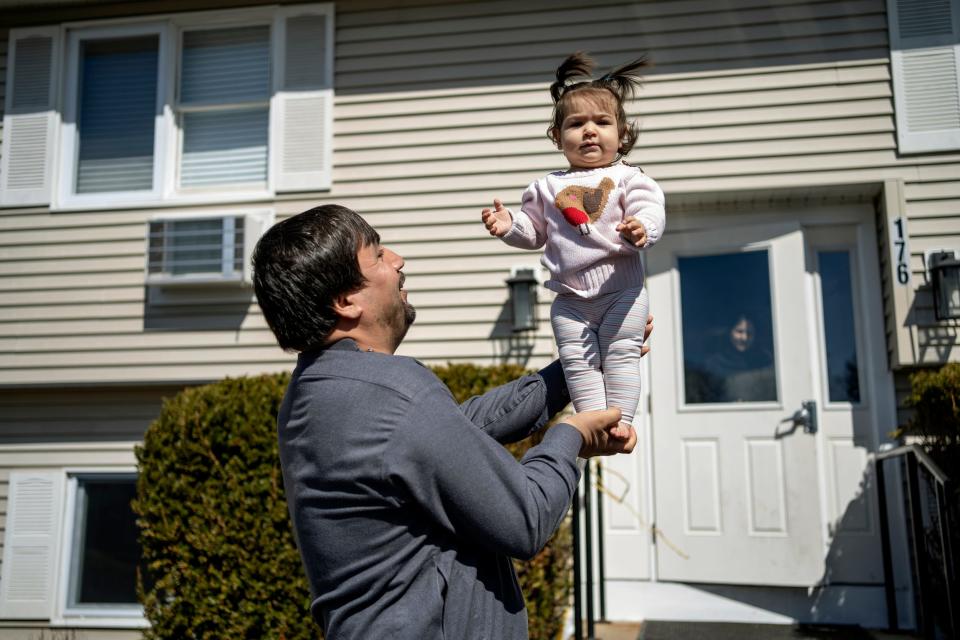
[728,350]
[103,551]
[70,550]
[188,108]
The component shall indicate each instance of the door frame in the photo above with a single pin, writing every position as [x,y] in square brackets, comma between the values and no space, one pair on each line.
[652,598]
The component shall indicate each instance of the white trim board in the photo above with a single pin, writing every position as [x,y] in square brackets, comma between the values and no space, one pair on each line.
[838,604]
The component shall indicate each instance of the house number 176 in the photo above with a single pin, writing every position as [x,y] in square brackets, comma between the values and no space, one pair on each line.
[901,256]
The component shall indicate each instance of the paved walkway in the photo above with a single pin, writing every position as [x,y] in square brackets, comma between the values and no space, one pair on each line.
[662,630]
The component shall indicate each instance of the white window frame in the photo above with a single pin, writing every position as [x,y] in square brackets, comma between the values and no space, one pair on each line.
[69,149]
[130,617]
[168,141]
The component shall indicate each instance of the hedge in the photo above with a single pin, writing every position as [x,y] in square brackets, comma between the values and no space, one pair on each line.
[935,400]
[214,528]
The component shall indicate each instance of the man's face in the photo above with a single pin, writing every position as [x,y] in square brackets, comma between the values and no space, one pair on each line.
[383,298]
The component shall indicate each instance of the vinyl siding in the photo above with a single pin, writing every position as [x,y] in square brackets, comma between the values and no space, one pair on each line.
[431,122]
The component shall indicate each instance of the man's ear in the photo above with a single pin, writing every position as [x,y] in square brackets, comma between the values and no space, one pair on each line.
[346,306]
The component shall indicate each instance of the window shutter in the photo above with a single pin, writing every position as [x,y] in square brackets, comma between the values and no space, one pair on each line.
[29,124]
[925,62]
[30,547]
[302,108]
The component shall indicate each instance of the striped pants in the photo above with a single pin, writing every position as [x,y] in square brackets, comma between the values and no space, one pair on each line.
[599,341]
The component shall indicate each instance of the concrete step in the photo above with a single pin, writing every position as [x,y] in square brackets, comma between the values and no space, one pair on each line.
[671,630]
[664,630]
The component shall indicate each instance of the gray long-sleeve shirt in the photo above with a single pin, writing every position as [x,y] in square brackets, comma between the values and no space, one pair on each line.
[405,506]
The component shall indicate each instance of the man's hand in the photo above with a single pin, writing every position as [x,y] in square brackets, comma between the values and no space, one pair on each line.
[595,428]
[633,231]
[647,330]
[497,220]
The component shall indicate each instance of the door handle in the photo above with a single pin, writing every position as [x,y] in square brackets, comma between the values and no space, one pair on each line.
[806,416]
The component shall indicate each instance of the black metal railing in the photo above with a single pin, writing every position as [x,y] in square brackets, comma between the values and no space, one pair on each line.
[932,515]
[583,555]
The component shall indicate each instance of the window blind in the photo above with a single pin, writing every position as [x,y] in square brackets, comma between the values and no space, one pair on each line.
[228,68]
[117,111]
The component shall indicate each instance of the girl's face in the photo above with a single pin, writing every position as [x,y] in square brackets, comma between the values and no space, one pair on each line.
[589,134]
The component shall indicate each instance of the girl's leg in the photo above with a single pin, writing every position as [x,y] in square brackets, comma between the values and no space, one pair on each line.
[621,335]
[576,337]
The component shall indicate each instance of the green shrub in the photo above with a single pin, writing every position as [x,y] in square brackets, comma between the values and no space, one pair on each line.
[935,401]
[214,526]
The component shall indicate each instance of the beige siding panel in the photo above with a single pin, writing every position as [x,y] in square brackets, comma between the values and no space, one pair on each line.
[615,35]
[73,415]
[645,155]
[209,322]
[702,105]
[67,281]
[153,373]
[68,296]
[38,633]
[917,192]
[612,21]
[61,455]
[934,209]
[72,235]
[462,143]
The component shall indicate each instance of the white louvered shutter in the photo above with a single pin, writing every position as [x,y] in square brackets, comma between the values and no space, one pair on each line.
[29,125]
[302,107]
[925,61]
[30,547]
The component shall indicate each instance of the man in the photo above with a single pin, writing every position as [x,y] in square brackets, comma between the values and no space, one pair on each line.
[405,506]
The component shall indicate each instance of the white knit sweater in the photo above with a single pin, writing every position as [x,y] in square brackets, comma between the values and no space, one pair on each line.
[575,214]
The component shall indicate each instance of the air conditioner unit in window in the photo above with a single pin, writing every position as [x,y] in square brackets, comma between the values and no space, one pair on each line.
[203,250]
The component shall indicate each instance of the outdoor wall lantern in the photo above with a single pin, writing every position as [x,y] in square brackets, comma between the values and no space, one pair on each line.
[945,274]
[523,298]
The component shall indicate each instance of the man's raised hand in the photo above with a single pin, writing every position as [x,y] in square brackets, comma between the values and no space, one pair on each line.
[595,428]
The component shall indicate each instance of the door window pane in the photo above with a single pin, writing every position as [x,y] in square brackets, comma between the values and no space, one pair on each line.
[106,551]
[727,328]
[843,380]
[118,105]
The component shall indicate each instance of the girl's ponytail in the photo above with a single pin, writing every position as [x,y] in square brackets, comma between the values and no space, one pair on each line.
[577,65]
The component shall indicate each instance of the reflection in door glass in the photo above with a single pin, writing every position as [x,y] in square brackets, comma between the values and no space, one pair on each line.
[727,328]
[843,380]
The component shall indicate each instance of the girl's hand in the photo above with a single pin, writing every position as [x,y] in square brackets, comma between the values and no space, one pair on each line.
[497,220]
[633,231]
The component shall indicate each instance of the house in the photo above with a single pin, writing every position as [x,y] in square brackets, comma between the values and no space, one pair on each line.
[810,152]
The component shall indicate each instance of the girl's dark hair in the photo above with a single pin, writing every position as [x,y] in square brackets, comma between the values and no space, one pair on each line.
[574,76]
[301,266]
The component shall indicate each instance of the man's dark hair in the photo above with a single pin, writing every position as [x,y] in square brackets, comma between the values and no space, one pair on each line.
[301,266]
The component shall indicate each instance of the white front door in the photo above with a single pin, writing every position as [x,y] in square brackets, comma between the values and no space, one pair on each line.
[755,322]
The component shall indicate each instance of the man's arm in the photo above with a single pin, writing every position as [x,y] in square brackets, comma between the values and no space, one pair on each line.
[517,409]
[464,482]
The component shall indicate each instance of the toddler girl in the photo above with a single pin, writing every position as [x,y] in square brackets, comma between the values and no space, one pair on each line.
[594,218]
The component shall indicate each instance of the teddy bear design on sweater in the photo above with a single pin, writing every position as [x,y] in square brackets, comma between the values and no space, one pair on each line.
[582,205]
